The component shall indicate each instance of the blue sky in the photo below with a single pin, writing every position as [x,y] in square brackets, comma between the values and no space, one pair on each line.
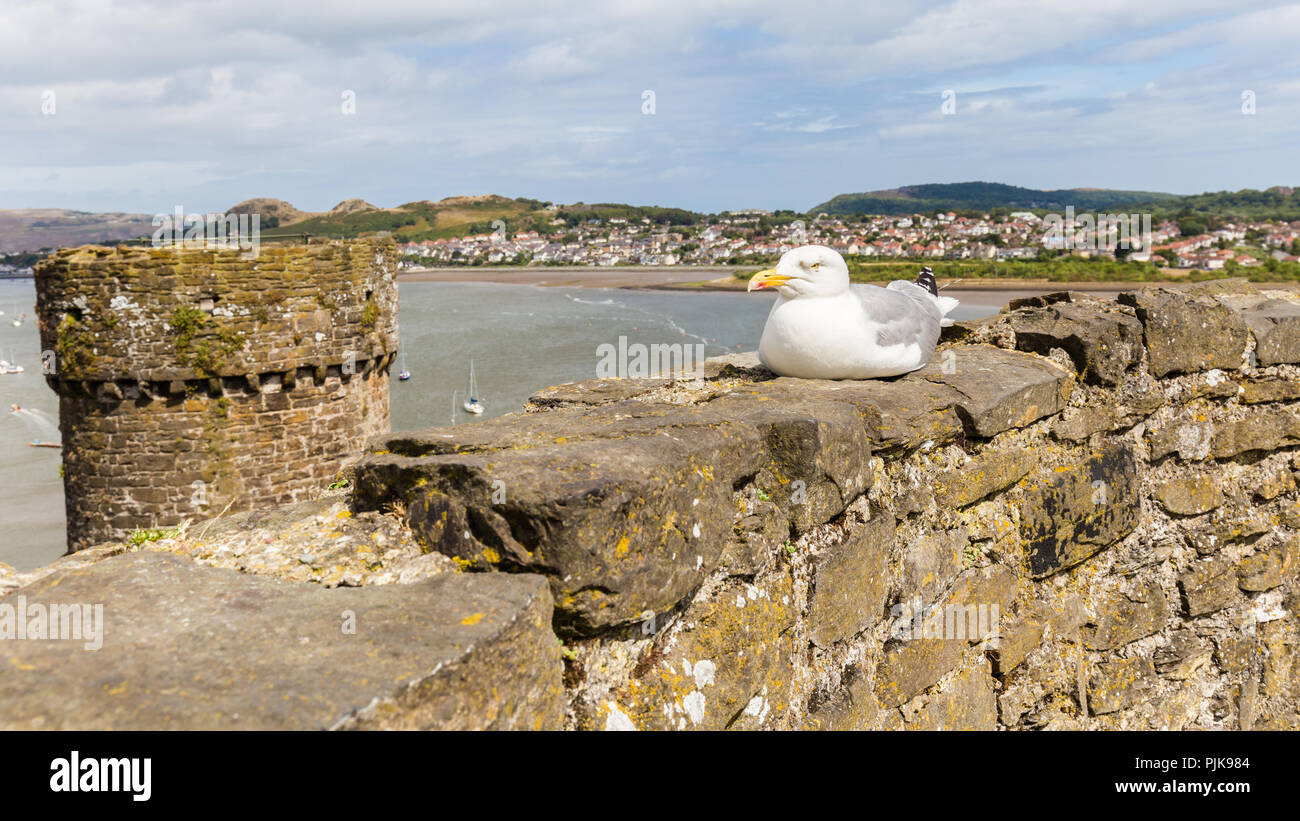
[757,104]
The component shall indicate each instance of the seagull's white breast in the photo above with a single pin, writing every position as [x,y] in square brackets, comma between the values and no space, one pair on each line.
[830,338]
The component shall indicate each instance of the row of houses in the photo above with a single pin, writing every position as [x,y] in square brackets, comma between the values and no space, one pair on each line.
[1020,235]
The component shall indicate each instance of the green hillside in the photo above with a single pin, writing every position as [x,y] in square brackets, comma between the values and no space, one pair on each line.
[1276,203]
[455,216]
[983,196]
[459,216]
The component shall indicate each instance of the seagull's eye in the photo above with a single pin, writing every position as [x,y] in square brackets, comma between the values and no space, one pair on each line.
[816,265]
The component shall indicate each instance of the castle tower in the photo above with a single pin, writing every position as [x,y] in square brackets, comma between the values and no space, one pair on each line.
[194,381]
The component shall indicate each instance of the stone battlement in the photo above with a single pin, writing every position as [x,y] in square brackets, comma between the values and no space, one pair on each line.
[191,380]
[165,314]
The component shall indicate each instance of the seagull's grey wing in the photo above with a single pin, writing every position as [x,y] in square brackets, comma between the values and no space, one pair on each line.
[900,318]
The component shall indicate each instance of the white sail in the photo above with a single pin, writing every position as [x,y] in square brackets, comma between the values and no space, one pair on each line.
[472,404]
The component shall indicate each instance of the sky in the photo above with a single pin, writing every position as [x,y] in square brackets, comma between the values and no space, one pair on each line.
[703,104]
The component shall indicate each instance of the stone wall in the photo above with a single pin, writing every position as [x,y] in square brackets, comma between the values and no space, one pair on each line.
[1111,485]
[195,381]
[1081,514]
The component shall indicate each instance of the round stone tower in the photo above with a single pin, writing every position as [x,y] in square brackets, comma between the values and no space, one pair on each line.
[196,381]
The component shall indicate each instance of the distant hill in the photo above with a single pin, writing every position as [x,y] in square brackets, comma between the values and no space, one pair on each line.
[272,211]
[1279,202]
[457,216]
[413,220]
[31,229]
[983,196]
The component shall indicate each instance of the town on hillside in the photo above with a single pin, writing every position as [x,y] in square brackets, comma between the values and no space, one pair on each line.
[754,236]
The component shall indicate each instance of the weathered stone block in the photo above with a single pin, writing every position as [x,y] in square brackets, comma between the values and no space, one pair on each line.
[1189,495]
[1274,482]
[911,666]
[1208,537]
[593,392]
[1118,684]
[1275,324]
[818,452]
[1183,656]
[984,475]
[1209,585]
[744,365]
[930,563]
[1000,389]
[851,582]
[1269,566]
[622,527]
[728,666]
[1102,340]
[1237,652]
[968,702]
[1016,640]
[901,415]
[1081,510]
[1077,424]
[1126,615]
[1266,430]
[1256,391]
[755,540]
[193,647]
[1187,333]
[850,706]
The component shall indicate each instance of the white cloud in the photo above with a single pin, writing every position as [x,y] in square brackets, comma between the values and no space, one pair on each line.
[551,61]
[184,96]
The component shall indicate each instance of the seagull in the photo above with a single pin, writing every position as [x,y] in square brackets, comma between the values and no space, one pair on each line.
[823,327]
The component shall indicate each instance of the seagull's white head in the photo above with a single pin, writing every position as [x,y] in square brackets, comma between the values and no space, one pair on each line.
[810,270]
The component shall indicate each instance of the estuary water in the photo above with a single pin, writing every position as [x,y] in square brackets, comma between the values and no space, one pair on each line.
[521,338]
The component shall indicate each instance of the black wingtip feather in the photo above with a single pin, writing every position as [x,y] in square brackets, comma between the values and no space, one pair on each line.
[926,280]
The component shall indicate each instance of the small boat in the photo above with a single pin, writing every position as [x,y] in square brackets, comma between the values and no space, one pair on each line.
[7,366]
[473,405]
[37,443]
[403,374]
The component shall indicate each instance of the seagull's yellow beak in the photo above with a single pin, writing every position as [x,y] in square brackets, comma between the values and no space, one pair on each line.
[767,279]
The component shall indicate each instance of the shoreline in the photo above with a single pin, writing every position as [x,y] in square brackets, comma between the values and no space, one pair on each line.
[722,279]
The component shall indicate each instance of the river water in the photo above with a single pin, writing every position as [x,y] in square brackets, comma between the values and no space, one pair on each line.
[520,337]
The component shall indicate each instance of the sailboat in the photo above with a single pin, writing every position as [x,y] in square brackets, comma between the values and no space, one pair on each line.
[10,365]
[473,405]
[403,374]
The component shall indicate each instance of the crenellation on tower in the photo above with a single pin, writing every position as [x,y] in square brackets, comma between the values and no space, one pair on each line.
[193,381]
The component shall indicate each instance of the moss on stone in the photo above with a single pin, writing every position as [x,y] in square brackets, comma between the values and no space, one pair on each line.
[75,348]
[369,315]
